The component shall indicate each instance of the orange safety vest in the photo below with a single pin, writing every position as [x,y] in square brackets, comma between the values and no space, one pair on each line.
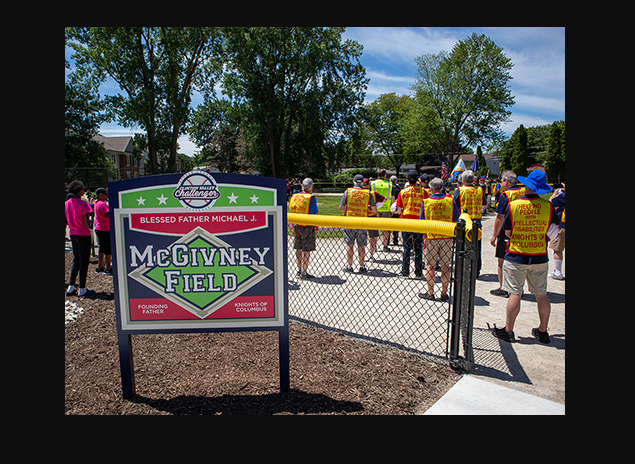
[472,199]
[438,209]
[530,221]
[300,203]
[357,201]
[411,198]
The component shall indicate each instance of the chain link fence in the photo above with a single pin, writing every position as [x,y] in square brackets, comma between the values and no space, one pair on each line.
[401,298]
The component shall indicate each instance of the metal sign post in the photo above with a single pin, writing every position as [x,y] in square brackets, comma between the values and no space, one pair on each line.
[199,252]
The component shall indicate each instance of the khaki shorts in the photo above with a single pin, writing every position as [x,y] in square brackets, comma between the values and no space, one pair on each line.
[557,244]
[514,276]
[441,248]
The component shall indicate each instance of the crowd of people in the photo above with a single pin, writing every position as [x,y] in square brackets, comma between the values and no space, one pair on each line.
[525,225]
[83,212]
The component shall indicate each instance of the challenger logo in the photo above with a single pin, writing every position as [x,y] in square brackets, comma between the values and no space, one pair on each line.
[199,271]
[197,190]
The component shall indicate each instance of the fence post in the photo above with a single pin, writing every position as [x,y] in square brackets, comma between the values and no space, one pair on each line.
[455,322]
[469,354]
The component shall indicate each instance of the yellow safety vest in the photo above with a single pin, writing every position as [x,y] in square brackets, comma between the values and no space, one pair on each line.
[514,194]
[472,199]
[357,202]
[382,186]
[530,221]
[300,203]
[438,209]
[412,197]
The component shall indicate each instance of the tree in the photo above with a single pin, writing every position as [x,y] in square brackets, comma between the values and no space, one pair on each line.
[516,156]
[554,162]
[462,96]
[386,118]
[84,157]
[299,87]
[156,68]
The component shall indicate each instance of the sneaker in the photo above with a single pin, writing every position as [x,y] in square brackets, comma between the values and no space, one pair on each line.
[499,292]
[99,270]
[363,269]
[445,297]
[502,335]
[72,290]
[543,337]
[108,272]
[87,294]
[348,268]
[555,275]
[306,275]
[426,296]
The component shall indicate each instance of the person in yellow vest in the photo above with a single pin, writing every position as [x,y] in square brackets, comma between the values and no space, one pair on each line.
[526,223]
[356,202]
[373,235]
[511,191]
[409,203]
[438,207]
[470,197]
[383,187]
[304,203]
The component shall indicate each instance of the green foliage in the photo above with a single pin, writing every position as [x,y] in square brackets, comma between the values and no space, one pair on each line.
[299,89]
[555,160]
[461,97]
[84,158]
[156,68]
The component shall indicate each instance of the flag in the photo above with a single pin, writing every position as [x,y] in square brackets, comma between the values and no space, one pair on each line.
[458,169]
[474,167]
[444,171]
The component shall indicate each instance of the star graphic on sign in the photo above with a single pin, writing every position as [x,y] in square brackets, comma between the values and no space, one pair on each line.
[142,201]
[254,199]
[162,200]
[233,198]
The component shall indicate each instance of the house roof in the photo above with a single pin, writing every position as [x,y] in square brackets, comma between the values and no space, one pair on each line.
[116,144]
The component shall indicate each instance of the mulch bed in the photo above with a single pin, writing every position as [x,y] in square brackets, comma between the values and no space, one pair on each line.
[237,373]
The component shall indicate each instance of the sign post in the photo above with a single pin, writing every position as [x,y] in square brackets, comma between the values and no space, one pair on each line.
[199,252]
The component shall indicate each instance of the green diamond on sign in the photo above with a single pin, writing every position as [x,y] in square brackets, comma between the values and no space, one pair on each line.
[201,273]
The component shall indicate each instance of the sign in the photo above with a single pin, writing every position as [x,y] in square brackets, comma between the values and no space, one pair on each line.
[199,252]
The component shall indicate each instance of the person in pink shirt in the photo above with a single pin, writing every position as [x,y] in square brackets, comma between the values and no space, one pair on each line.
[77,212]
[102,230]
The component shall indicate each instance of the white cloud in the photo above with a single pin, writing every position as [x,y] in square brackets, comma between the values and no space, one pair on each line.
[381,83]
[542,104]
[400,43]
[524,119]
[186,146]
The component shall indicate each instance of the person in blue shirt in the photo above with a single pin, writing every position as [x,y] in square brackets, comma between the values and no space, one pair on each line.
[304,203]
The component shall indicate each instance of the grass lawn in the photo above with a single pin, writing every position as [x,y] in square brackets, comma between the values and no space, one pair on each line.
[329,205]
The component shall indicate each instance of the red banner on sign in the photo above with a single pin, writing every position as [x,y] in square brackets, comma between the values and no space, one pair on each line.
[182,223]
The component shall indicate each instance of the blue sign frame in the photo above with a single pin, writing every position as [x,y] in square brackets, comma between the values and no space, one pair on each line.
[199,252]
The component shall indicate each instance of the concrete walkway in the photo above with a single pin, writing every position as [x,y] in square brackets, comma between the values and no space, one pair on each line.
[473,396]
[526,377]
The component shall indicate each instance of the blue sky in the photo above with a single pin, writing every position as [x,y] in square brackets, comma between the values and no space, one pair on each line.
[538,54]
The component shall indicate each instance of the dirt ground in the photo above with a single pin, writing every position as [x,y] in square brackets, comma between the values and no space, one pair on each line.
[237,373]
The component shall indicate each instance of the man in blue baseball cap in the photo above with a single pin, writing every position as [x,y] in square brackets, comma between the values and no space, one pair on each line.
[526,223]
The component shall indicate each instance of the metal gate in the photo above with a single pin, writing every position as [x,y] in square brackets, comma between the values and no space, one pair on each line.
[379,302]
